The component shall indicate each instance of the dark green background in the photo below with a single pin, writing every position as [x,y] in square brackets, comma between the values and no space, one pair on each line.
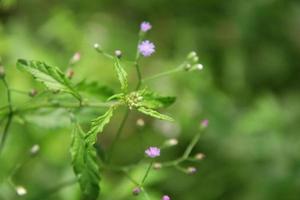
[249,90]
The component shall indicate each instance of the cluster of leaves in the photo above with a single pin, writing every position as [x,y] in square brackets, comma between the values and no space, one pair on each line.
[84,159]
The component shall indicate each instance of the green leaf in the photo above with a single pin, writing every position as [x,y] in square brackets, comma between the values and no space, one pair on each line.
[52,77]
[155,114]
[153,100]
[94,89]
[97,126]
[85,165]
[122,75]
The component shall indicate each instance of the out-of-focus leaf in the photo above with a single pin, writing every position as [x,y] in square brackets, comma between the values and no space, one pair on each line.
[97,126]
[154,114]
[122,75]
[52,77]
[85,164]
[95,89]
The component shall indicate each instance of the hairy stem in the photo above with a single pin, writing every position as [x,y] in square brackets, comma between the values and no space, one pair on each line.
[166,73]
[146,174]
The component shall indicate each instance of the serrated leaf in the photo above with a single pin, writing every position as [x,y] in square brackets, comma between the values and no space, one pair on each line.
[95,89]
[155,114]
[153,100]
[122,75]
[52,77]
[85,165]
[97,126]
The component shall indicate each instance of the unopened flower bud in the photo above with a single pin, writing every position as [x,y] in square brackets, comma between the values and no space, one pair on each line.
[157,166]
[204,123]
[136,191]
[171,142]
[199,67]
[140,122]
[96,46]
[34,149]
[2,72]
[195,59]
[191,55]
[188,66]
[21,191]
[70,73]
[191,170]
[75,58]
[118,53]
[32,93]
[199,156]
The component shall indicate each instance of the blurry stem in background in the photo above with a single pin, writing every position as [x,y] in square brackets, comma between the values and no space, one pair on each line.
[146,174]
[186,153]
[9,116]
[59,105]
[166,73]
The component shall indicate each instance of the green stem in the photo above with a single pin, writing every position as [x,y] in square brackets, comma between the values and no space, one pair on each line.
[10,115]
[186,153]
[146,174]
[118,134]
[166,73]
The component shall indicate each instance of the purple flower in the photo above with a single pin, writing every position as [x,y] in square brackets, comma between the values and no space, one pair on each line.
[145,26]
[204,123]
[152,152]
[166,197]
[136,191]
[146,48]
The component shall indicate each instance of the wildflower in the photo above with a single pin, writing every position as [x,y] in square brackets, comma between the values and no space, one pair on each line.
[146,48]
[166,197]
[34,149]
[136,191]
[199,156]
[118,53]
[204,123]
[145,26]
[191,170]
[21,191]
[75,58]
[153,152]
[157,165]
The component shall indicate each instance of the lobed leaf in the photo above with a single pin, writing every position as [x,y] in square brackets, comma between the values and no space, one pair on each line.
[122,75]
[52,77]
[85,165]
[155,114]
[97,126]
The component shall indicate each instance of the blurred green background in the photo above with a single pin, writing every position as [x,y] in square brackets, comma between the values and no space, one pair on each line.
[249,91]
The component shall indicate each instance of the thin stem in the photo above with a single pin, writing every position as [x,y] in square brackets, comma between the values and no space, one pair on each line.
[139,75]
[186,153]
[169,72]
[146,174]
[118,134]
[10,115]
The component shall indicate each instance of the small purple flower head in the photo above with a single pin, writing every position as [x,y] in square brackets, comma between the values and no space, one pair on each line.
[152,152]
[204,123]
[146,48]
[136,191]
[165,197]
[145,26]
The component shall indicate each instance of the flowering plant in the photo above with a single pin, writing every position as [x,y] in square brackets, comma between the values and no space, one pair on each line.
[87,162]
